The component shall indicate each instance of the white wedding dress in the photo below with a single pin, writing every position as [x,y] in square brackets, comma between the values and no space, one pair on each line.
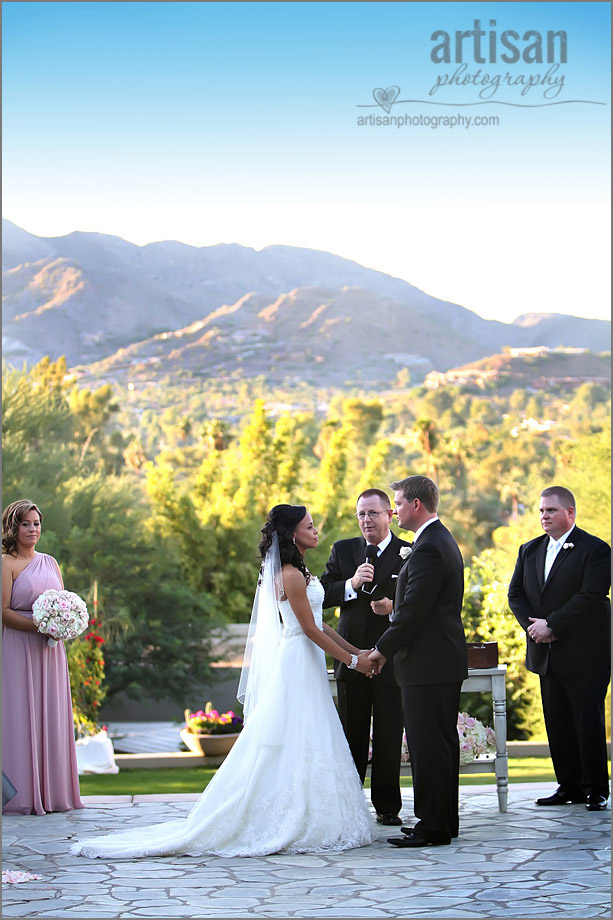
[289,784]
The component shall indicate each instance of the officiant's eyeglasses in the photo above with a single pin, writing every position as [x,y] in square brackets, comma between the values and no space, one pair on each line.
[361,515]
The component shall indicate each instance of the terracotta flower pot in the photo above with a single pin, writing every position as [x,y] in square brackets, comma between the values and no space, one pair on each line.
[208,745]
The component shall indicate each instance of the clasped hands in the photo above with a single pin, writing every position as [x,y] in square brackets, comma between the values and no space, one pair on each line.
[370,662]
[539,631]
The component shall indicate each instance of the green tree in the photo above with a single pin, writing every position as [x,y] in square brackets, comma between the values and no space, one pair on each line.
[427,435]
[373,475]
[488,618]
[257,468]
[287,448]
[584,466]
[36,431]
[330,497]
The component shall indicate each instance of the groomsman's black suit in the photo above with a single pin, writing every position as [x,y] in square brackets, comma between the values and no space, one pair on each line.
[575,668]
[426,640]
[358,695]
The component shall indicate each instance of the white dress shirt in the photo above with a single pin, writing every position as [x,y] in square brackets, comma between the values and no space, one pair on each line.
[553,548]
[421,529]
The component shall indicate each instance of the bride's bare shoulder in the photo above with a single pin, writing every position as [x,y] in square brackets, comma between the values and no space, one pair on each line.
[293,579]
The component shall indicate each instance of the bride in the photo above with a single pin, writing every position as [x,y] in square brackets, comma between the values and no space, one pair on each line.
[289,784]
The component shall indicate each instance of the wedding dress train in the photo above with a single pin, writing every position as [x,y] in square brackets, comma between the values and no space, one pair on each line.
[289,784]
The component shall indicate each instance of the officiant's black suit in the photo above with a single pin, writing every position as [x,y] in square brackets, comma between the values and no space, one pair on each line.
[426,641]
[575,669]
[358,695]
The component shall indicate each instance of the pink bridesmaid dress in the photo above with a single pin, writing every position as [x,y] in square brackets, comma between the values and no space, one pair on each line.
[38,748]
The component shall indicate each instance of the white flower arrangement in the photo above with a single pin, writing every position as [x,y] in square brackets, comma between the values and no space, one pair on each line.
[404,552]
[60,615]
[475,738]
[568,546]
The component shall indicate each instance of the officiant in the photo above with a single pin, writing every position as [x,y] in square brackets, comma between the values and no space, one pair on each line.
[360,578]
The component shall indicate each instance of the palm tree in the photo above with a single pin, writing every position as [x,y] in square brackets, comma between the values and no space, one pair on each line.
[427,434]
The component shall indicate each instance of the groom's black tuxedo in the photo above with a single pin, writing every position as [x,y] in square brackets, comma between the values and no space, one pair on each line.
[358,695]
[574,669]
[426,640]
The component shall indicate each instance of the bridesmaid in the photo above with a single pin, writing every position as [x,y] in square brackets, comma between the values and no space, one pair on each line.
[38,747]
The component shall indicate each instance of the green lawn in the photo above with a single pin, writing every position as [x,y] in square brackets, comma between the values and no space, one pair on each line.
[183,779]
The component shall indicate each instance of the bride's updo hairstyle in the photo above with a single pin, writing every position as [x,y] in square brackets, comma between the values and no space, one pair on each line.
[283,520]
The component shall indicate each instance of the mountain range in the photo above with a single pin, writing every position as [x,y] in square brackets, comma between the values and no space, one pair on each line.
[285,312]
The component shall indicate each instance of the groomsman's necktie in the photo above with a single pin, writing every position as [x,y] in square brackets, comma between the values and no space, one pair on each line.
[552,551]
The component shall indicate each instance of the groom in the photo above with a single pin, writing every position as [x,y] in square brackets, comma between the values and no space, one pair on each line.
[426,640]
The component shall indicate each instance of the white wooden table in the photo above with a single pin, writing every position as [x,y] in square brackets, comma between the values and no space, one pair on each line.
[492,680]
[489,680]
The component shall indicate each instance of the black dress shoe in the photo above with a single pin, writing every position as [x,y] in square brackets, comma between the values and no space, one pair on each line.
[413,841]
[389,820]
[563,798]
[596,803]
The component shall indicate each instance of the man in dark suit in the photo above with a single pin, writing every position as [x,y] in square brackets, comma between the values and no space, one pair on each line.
[364,591]
[426,640]
[558,593]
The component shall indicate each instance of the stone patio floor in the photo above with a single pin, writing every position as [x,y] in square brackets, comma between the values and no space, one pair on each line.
[530,862]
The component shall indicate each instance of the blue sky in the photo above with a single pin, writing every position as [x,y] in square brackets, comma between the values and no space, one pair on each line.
[238,122]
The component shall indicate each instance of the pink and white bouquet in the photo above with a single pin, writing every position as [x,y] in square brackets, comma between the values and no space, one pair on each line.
[60,615]
[475,738]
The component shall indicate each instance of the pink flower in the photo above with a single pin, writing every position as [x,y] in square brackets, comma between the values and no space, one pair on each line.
[470,722]
[15,876]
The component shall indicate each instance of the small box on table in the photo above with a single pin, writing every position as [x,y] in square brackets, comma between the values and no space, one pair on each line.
[482,654]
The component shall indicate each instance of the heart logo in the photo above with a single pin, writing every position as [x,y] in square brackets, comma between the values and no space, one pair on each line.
[386,97]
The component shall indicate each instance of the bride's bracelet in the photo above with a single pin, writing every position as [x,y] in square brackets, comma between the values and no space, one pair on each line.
[353,663]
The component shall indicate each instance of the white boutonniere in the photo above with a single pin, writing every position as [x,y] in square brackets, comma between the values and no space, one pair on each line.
[405,552]
[568,546]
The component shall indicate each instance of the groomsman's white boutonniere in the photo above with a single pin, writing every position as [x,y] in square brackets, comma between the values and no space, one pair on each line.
[405,552]
[568,546]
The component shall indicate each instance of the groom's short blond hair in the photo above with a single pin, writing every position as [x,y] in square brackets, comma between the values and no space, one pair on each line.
[426,490]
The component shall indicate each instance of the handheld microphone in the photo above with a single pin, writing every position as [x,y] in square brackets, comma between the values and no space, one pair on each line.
[372,552]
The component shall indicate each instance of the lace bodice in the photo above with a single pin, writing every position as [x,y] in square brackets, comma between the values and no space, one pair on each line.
[315,595]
